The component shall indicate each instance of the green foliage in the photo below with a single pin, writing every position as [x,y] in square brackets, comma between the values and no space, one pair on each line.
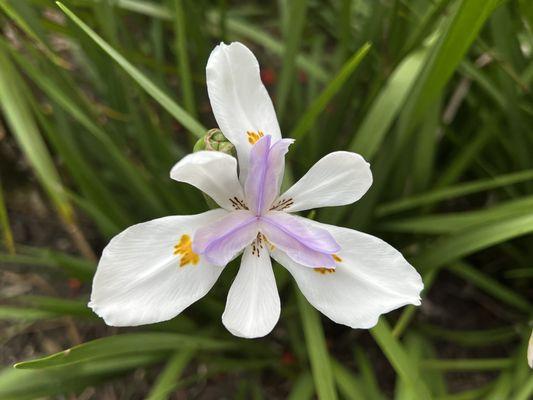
[102,97]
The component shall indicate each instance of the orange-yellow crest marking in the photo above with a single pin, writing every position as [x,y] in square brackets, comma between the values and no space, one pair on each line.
[253,137]
[184,250]
[324,270]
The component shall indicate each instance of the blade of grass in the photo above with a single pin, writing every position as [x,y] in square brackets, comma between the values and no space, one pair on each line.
[398,358]
[317,350]
[25,130]
[120,345]
[308,119]
[473,338]
[161,97]
[454,222]
[166,381]
[348,385]
[116,156]
[77,268]
[368,376]
[56,305]
[240,28]
[458,190]
[297,13]
[183,57]
[385,108]
[454,247]
[302,389]
[4,223]
[468,364]
[8,313]
[526,391]
[491,286]
[28,385]
[27,28]
[458,35]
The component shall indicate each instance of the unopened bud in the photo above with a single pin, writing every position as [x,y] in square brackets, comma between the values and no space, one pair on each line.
[214,140]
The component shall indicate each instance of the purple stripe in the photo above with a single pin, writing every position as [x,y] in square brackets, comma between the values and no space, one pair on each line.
[309,242]
[263,173]
[267,162]
[229,233]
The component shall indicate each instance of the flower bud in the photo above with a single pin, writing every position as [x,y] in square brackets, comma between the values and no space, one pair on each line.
[214,140]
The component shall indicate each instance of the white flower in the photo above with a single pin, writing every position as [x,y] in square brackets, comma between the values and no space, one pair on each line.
[152,271]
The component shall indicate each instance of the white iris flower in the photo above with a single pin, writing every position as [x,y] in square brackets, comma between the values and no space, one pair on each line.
[154,270]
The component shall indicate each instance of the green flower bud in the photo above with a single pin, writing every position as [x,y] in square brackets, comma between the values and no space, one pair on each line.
[214,140]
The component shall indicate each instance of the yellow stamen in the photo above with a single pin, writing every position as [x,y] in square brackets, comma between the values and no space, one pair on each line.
[324,270]
[184,248]
[253,137]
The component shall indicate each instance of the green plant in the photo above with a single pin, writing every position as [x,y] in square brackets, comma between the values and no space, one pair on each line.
[103,97]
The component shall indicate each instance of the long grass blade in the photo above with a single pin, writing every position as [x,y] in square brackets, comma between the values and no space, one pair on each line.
[317,350]
[161,97]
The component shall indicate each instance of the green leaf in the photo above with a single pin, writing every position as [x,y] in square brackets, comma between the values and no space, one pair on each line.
[462,189]
[457,37]
[452,248]
[349,386]
[120,345]
[491,286]
[468,364]
[302,389]
[57,306]
[293,37]
[16,384]
[471,338]
[317,350]
[161,97]
[387,105]
[27,28]
[398,358]
[8,313]
[307,120]
[22,123]
[4,224]
[73,266]
[454,222]
[183,57]
[166,381]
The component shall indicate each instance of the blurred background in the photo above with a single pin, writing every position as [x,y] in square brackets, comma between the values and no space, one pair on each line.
[99,98]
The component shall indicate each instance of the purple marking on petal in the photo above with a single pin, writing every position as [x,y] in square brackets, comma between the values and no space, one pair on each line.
[220,241]
[304,243]
[267,163]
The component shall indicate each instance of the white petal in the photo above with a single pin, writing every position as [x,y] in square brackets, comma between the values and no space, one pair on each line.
[253,306]
[212,172]
[239,99]
[337,179]
[139,279]
[371,279]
